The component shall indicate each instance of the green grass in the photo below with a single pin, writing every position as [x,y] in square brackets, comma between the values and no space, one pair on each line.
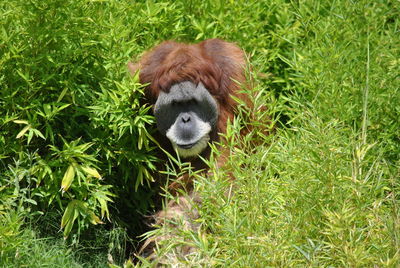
[321,191]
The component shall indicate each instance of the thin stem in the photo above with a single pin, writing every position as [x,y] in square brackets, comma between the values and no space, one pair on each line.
[365,98]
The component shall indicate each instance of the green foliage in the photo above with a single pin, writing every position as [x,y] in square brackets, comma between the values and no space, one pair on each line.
[71,123]
[76,149]
[26,249]
[69,112]
[321,191]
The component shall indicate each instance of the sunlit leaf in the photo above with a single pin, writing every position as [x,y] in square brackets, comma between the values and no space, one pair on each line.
[70,215]
[92,172]
[94,219]
[30,135]
[38,133]
[23,131]
[62,94]
[68,177]
[104,207]
[21,122]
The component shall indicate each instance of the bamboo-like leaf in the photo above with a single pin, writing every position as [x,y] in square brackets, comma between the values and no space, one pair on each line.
[21,122]
[63,107]
[68,213]
[70,223]
[62,94]
[47,109]
[23,131]
[38,133]
[24,76]
[92,172]
[30,135]
[71,213]
[104,208]
[68,177]
[140,138]
[139,178]
[94,219]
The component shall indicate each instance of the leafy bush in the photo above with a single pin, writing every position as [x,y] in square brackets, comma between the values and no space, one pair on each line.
[72,127]
[75,141]
[323,190]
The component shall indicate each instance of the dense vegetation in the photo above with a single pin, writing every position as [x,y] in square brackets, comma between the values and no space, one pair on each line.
[76,149]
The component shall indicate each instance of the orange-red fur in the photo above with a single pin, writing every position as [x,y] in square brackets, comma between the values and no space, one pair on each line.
[215,63]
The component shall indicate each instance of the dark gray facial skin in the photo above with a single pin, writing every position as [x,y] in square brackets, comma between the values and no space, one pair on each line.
[186,115]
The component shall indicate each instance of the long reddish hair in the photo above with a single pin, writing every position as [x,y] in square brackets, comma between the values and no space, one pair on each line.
[217,64]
